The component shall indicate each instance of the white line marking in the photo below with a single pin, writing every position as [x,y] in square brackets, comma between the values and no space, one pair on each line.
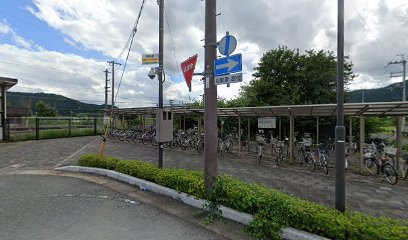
[75,153]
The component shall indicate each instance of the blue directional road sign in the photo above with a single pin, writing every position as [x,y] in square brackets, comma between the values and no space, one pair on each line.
[227,65]
[227,45]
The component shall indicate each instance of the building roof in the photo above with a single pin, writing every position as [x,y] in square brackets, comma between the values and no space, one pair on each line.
[7,82]
[316,110]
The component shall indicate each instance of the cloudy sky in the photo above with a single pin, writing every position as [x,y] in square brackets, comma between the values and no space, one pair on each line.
[62,46]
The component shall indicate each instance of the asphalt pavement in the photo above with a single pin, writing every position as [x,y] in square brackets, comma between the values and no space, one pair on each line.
[65,208]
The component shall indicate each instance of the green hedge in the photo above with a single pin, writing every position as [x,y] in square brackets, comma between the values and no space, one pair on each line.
[272,209]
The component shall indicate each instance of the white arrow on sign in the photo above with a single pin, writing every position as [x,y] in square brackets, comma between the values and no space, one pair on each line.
[230,65]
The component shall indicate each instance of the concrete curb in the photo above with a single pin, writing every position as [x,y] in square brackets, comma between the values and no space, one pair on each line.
[229,213]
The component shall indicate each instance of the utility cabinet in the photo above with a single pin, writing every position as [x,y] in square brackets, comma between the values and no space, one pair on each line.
[164,125]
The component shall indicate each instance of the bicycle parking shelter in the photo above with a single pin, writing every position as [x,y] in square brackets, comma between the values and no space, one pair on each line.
[5,84]
[351,110]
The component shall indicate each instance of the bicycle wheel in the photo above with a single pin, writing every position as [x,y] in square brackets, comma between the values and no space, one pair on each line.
[200,146]
[259,156]
[325,167]
[371,165]
[279,157]
[145,140]
[405,171]
[311,163]
[154,142]
[390,174]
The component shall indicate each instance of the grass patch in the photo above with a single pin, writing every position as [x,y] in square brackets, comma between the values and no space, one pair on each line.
[272,209]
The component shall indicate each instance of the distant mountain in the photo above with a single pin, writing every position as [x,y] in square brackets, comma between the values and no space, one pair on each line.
[64,106]
[390,93]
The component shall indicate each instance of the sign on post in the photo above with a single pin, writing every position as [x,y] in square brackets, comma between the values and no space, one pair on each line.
[227,65]
[227,45]
[266,122]
[150,58]
[188,67]
[227,79]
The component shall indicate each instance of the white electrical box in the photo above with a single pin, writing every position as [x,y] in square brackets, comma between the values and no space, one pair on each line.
[164,125]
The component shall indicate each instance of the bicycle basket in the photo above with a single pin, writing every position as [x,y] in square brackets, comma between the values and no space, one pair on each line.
[307,142]
[260,139]
[280,143]
[390,150]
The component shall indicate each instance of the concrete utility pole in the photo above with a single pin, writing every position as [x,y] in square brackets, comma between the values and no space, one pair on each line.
[161,69]
[404,85]
[106,89]
[113,88]
[210,91]
[340,130]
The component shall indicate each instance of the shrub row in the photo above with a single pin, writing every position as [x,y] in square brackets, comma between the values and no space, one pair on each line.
[272,209]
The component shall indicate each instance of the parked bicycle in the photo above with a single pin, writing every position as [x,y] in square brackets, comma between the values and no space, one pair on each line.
[405,167]
[379,162]
[319,160]
[260,144]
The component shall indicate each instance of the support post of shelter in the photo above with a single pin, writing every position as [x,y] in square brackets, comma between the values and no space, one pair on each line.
[350,134]
[317,130]
[398,140]
[280,129]
[239,134]
[144,121]
[249,134]
[291,126]
[362,136]
[184,123]
[199,125]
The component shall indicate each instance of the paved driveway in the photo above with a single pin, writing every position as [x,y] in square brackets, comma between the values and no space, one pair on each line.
[367,194]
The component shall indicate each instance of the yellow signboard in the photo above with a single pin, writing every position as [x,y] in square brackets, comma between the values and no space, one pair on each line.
[150,58]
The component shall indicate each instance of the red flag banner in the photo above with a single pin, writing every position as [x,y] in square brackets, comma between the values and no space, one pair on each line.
[188,67]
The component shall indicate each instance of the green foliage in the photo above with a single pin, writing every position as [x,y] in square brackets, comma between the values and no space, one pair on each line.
[288,77]
[272,209]
[91,160]
[45,110]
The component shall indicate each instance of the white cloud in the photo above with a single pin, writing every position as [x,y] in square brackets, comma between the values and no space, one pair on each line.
[375,33]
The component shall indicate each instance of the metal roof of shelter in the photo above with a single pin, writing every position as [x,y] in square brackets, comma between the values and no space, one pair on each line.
[315,110]
[7,82]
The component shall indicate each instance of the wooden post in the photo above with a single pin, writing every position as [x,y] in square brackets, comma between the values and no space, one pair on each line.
[362,136]
[398,140]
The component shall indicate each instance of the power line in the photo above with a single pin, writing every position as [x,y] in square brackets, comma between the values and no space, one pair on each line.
[172,43]
[130,46]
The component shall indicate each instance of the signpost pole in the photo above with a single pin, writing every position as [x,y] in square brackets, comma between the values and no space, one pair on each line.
[210,91]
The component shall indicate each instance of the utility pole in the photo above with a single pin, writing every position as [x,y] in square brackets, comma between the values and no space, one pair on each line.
[113,63]
[161,69]
[340,130]
[404,85]
[210,93]
[106,89]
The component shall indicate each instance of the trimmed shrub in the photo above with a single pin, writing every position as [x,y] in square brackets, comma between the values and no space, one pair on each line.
[272,209]
[91,160]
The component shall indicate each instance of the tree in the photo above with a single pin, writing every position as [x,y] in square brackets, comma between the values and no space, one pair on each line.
[45,110]
[287,77]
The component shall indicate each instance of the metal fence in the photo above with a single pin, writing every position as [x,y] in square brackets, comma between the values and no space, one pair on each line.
[35,128]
